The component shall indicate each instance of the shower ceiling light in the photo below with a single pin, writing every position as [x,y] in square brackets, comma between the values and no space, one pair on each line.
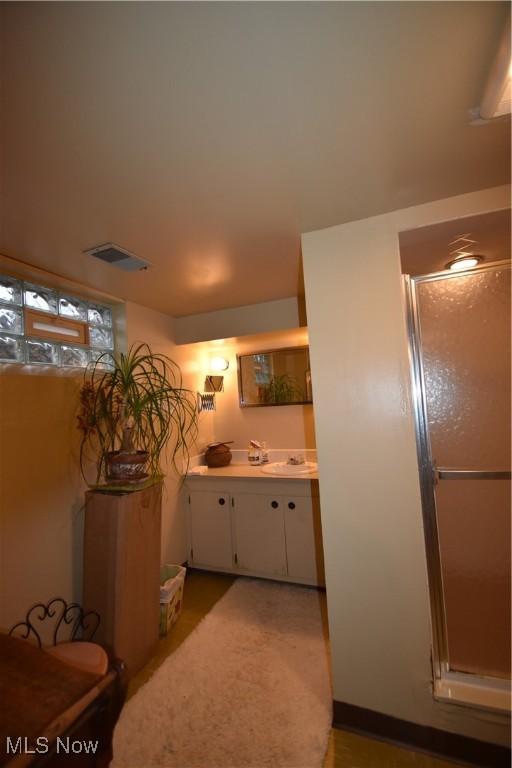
[462,253]
[464,261]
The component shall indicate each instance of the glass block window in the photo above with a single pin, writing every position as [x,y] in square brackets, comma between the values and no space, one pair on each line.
[99,315]
[73,357]
[262,372]
[17,345]
[11,290]
[11,319]
[101,338]
[73,308]
[40,298]
[42,352]
[11,349]
[102,358]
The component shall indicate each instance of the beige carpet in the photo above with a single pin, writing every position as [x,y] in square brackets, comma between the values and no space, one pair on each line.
[249,687]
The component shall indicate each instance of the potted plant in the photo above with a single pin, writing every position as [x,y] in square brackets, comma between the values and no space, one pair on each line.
[132,406]
[281,388]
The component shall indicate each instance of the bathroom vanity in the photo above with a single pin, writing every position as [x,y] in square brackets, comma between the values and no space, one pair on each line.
[243,521]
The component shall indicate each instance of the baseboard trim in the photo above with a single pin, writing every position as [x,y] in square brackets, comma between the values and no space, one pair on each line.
[450,746]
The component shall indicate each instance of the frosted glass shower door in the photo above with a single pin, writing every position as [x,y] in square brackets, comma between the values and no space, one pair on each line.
[464,347]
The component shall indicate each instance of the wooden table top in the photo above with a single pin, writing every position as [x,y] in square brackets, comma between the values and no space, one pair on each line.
[38,693]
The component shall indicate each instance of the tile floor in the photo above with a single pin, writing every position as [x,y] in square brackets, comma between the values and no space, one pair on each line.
[346,750]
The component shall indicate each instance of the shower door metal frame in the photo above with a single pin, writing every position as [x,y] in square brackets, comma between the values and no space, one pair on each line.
[428,473]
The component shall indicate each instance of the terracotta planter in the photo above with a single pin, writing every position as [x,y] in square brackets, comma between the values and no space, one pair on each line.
[126,466]
[218,455]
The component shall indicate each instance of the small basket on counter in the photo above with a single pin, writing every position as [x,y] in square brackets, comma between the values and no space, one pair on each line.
[218,454]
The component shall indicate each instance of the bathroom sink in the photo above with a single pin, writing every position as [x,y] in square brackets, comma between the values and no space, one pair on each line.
[283,469]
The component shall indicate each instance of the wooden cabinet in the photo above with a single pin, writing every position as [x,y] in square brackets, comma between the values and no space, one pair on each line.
[210,529]
[122,570]
[304,548]
[262,528]
[259,539]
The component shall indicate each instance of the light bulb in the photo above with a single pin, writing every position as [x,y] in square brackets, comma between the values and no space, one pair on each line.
[219,364]
[466,262]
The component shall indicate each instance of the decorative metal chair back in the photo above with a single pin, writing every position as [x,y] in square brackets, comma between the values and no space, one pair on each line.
[70,622]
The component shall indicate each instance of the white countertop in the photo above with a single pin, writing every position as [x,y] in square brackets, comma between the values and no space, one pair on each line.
[247,470]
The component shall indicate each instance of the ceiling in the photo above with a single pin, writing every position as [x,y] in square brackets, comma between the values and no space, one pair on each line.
[427,249]
[205,137]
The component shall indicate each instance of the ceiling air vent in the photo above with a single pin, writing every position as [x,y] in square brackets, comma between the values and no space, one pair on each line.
[118,257]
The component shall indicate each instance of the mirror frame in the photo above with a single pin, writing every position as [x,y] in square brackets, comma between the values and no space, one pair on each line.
[241,402]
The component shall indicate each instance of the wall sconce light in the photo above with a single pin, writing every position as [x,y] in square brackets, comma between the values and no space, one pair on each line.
[219,364]
[206,399]
[212,384]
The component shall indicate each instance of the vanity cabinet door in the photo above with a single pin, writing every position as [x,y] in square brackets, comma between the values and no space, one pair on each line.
[304,539]
[210,529]
[259,534]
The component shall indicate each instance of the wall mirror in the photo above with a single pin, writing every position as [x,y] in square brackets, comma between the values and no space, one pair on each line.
[274,377]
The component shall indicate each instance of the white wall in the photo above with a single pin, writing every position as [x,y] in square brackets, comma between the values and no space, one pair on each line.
[369,488]
[239,321]
[157,330]
[290,426]
[41,489]
[281,427]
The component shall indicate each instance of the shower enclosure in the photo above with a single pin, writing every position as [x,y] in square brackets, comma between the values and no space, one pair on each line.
[459,331]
